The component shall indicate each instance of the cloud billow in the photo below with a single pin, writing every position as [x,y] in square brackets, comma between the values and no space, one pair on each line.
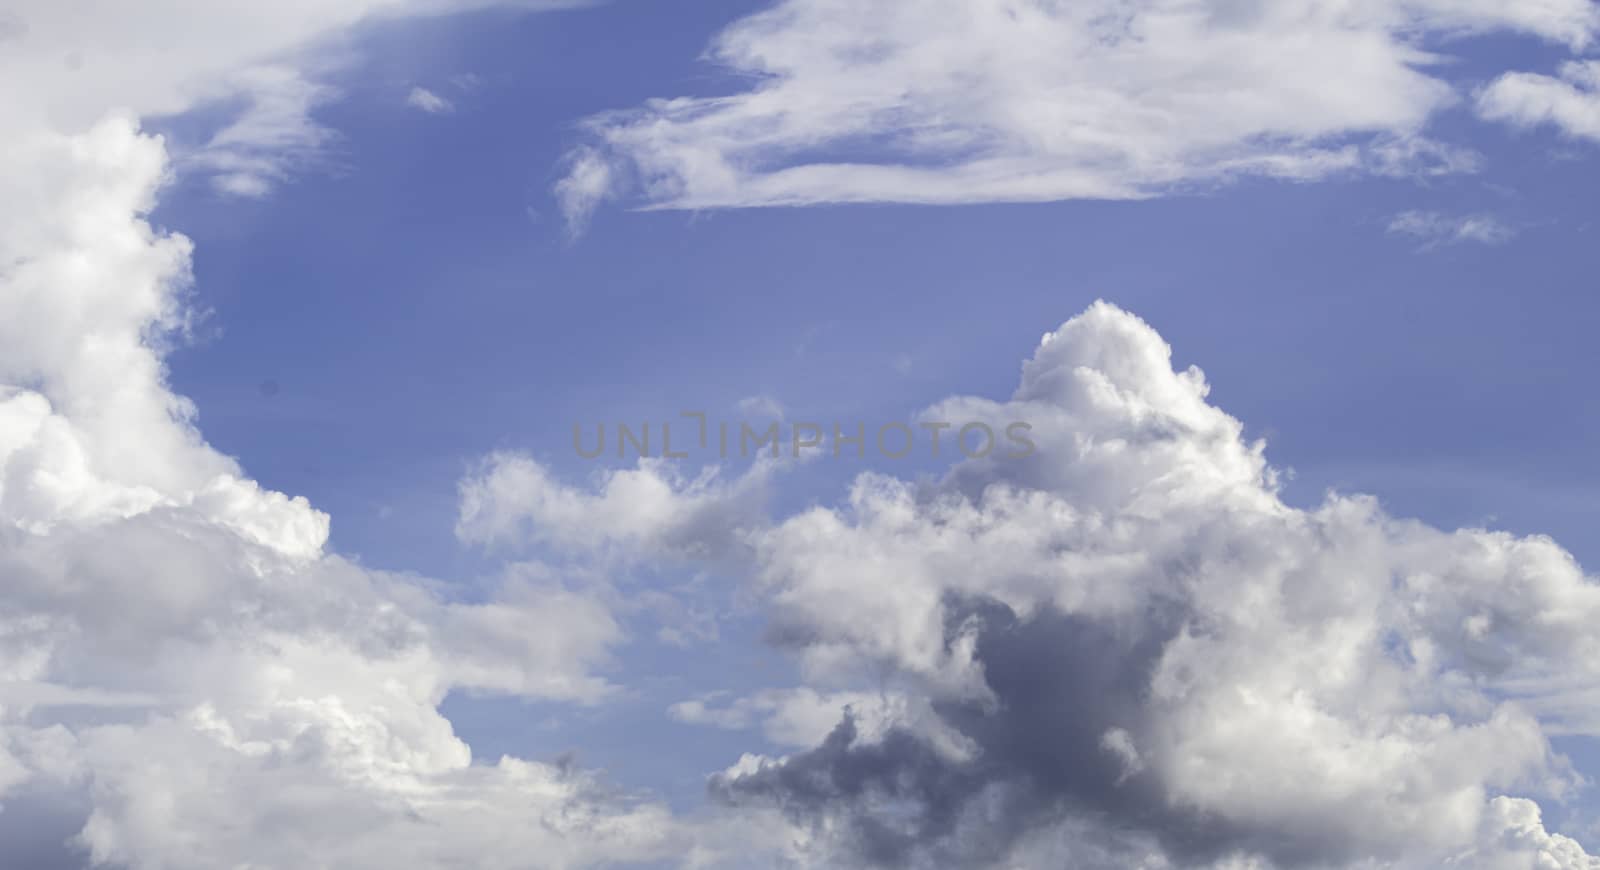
[1125,650]
[1138,641]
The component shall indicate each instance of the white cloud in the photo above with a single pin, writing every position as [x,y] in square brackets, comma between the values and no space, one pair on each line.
[168,56]
[177,648]
[428,101]
[590,180]
[1131,626]
[1514,837]
[271,137]
[652,509]
[1434,229]
[200,793]
[953,101]
[1570,102]
[1125,649]
[803,716]
[763,406]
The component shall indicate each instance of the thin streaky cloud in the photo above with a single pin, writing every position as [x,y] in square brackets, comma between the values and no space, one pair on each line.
[428,101]
[1432,229]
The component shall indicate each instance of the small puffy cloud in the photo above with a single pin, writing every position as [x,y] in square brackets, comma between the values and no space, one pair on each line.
[760,406]
[653,509]
[428,101]
[1435,229]
[1569,102]
[1514,837]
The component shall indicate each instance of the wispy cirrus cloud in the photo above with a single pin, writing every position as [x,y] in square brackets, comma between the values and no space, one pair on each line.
[952,102]
[272,137]
[428,101]
[1432,229]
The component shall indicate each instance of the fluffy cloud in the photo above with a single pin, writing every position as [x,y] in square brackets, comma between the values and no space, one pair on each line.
[1003,100]
[1570,102]
[1146,658]
[187,678]
[1123,650]
[175,645]
[652,509]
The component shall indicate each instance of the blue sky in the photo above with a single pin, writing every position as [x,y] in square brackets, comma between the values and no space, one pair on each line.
[434,309]
[414,294]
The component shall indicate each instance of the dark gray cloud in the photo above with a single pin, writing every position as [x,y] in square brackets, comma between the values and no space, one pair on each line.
[1061,683]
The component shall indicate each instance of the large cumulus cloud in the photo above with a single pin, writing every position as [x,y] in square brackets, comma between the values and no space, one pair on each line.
[1125,649]
[188,679]
[181,659]
[1140,644]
